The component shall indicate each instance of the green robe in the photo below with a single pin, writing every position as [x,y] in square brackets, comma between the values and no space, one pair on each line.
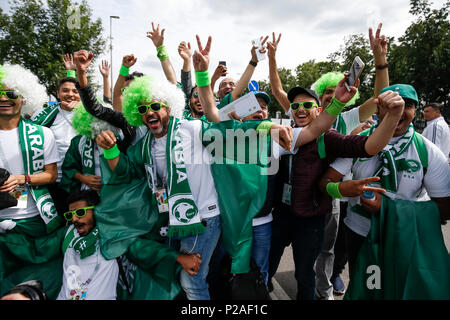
[129,208]
[406,243]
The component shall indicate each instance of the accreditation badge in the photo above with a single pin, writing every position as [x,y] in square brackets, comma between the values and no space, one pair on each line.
[162,200]
[287,189]
[21,195]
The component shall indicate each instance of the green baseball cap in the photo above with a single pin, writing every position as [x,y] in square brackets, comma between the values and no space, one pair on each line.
[404,90]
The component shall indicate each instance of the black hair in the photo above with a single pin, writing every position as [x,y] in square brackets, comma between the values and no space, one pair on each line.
[90,196]
[31,289]
[435,106]
[68,79]
[133,75]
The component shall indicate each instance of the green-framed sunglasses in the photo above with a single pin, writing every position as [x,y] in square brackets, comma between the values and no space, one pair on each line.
[80,212]
[307,105]
[155,107]
[10,94]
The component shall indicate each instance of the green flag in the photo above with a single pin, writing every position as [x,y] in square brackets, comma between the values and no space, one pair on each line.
[404,256]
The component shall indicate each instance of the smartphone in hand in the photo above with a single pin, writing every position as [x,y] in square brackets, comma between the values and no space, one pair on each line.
[259,55]
[354,73]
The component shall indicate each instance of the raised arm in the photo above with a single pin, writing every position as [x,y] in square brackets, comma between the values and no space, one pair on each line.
[220,71]
[104,70]
[379,50]
[157,36]
[326,118]
[127,62]
[394,105]
[200,60]
[275,81]
[184,50]
[248,73]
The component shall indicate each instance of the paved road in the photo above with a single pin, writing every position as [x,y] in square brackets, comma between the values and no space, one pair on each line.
[285,285]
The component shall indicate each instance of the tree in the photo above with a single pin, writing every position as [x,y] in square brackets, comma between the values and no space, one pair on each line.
[421,57]
[37,36]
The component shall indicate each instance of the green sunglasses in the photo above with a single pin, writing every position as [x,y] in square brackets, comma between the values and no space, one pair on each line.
[307,105]
[81,212]
[155,107]
[10,94]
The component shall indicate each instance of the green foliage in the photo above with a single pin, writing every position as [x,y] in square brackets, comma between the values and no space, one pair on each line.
[37,35]
[421,58]
[422,55]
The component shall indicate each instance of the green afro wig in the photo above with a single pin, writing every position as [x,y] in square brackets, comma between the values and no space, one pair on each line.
[87,125]
[330,80]
[146,89]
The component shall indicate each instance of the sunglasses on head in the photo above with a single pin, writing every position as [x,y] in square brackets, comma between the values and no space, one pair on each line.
[155,107]
[307,105]
[81,212]
[10,94]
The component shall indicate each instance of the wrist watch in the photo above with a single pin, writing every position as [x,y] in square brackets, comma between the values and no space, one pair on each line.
[253,63]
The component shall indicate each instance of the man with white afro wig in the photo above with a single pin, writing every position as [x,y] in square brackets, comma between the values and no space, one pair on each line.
[33,93]
[28,151]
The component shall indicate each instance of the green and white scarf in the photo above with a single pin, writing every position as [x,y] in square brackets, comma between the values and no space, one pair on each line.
[44,117]
[86,149]
[84,246]
[31,138]
[184,219]
[390,162]
[339,125]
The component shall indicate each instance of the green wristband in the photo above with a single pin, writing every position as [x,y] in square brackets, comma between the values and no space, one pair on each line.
[71,74]
[111,153]
[202,78]
[124,71]
[265,126]
[335,107]
[162,53]
[332,190]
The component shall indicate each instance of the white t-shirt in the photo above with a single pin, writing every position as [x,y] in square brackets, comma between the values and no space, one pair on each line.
[104,282]
[197,167]
[436,181]
[64,132]
[11,153]
[437,131]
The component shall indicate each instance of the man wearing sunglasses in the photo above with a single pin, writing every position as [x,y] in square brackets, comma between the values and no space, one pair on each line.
[86,273]
[27,151]
[305,224]
[406,166]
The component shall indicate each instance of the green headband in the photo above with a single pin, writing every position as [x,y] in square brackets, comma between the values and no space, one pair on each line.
[139,90]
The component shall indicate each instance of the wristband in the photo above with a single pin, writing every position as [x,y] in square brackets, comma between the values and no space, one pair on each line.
[71,74]
[265,126]
[335,107]
[111,153]
[333,190]
[202,78]
[253,63]
[381,67]
[162,53]
[124,71]
[27,180]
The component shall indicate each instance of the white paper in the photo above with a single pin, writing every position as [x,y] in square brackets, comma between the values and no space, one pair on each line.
[244,106]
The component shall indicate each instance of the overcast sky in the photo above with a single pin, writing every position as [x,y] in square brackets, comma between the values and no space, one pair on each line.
[310,29]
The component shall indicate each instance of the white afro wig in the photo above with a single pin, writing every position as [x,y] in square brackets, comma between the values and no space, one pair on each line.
[147,88]
[23,80]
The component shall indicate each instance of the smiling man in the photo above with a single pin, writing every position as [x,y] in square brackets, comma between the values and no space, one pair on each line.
[405,166]
[27,151]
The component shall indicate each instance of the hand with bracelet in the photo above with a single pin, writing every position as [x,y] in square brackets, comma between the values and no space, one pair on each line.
[12,183]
